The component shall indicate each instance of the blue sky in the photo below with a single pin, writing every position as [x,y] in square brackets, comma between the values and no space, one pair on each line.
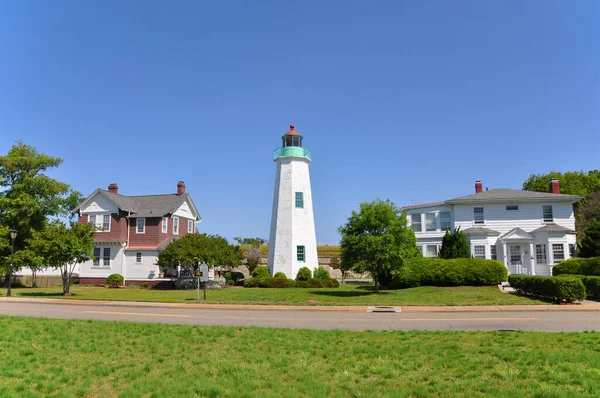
[407,100]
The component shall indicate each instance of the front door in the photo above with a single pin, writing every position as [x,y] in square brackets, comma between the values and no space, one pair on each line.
[515,260]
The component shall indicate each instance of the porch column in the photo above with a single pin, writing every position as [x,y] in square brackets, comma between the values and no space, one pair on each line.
[532,258]
[504,253]
[178,270]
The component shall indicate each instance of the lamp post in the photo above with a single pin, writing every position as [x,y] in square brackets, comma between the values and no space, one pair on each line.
[13,236]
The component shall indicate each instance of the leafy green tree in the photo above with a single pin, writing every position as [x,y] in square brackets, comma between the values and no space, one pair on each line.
[249,241]
[454,245]
[375,239]
[29,198]
[571,182]
[337,264]
[586,212]
[192,249]
[63,247]
[590,245]
[321,273]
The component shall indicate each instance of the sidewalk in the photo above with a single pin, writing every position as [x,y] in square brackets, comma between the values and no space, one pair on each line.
[584,306]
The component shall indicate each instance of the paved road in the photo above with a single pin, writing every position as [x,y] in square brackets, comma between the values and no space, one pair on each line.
[533,321]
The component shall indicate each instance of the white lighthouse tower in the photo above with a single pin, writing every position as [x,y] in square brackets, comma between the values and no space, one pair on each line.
[292,242]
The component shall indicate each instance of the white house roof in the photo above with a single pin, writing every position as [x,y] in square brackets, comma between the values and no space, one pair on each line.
[512,195]
[554,228]
[481,231]
[516,234]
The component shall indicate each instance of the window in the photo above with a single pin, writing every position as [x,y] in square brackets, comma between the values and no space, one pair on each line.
[300,254]
[558,250]
[138,257]
[479,251]
[96,257]
[190,226]
[101,222]
[416,222]
[540,254]
[493,254]
[299,200]
[445,220]
[478,215]
[512,207]
[165,225]
[106,257]
[175,225]
[547,213]
[572,252]
[431,251]
[430,222]
[141,226]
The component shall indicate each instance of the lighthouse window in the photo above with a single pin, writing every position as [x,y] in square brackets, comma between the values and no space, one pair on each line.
[299,200]
[300,253]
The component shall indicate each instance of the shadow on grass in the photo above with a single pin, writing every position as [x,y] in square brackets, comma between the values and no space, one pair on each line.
[42,294]
[345,293]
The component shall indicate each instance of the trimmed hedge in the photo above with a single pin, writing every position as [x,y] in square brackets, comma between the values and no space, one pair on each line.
[280,275]
[565,288]
[114,280]
[591,283]
[261,272]
[274,282]
[304,274]
[578,266]
[321,273]
[454,272]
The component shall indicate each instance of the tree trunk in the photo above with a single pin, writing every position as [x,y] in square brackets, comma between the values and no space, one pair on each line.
[343,277]
[33,272]
[376,283]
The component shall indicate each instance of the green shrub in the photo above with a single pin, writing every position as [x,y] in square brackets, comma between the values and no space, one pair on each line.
[318,283]
[252,282]
[422,271]
[321,273]
[261,272]
[144,285]
[333,282]
[230,282]
[578,266]
[227,275]
[304,274]
[592,285]
[280,275]
[564,288]
[234,276]
[114,280]
[273,282]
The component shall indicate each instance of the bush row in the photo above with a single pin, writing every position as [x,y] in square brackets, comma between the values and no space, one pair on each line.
[455,272]
[578,266]
[565,288]
[591,283]
[277,282]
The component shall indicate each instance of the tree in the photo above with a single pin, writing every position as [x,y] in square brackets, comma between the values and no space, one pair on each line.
[252,251]
[63,247]
[571,182]
[454,245]
[192,249]
[375,239]
[590,245]
[336,264]
[28,197]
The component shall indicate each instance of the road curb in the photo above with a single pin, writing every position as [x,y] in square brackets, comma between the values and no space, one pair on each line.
[321,308]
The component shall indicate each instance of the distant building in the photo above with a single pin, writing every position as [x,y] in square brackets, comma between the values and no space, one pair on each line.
[292,242]
[132,230]
[528,231]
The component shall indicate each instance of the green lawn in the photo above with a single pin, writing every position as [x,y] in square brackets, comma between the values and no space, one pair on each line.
[66,358]
[345,295]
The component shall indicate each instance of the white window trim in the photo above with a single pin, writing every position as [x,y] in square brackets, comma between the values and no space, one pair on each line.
[543,219]
[484,252]
[136,257]
[175,222]
[190,227]
[99,221]
[483,209]
[109,258]
[420,223]
[435,222]
[137,220]
[165,225]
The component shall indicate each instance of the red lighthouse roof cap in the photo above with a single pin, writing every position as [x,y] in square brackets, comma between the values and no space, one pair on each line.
[292,131]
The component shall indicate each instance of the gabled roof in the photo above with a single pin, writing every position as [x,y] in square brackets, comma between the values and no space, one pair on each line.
[146,205]
[481,231]
[516,234]
[512,195]
[554,228]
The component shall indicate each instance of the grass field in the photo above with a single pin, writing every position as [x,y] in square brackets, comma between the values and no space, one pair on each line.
[43,357]
[345,295]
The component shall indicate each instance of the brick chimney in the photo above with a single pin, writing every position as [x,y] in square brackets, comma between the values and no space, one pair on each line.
[555,186]
[180,188]
[478,186]
[113,188]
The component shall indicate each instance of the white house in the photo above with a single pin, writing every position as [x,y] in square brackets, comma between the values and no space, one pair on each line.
[528,231]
